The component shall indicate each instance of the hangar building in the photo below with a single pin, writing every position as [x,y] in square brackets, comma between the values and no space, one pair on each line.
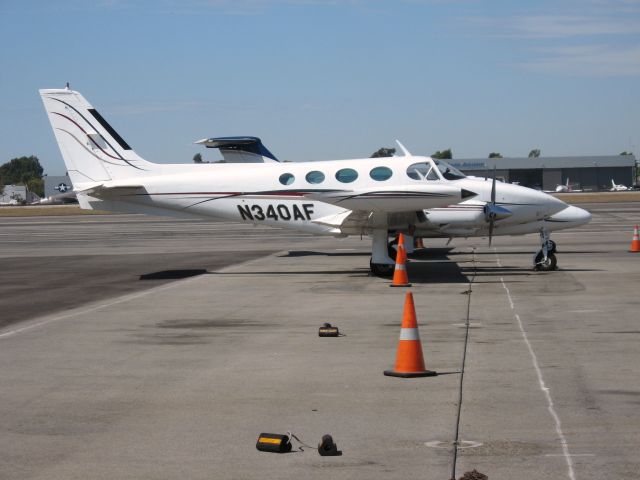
[546,173]
[55,185]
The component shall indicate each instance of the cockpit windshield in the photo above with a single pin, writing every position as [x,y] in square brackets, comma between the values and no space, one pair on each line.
[449,172]
[422,171]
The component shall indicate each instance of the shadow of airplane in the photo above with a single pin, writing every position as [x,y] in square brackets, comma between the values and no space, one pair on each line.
[433,265]
[173,274]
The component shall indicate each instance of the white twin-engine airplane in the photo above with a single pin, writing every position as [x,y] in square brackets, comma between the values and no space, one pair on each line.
[379,197]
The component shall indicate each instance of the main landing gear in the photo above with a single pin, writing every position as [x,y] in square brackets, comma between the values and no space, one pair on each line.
[382,254]
[381,269]
[545,259]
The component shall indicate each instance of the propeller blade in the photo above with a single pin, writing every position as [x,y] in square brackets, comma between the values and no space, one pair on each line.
[490,230]
[490,210]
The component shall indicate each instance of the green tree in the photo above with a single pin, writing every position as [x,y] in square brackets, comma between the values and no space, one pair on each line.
[535,153]
[197,158]
[495,155]
[626,153]
[18,169]
[24,171]
[36,185]
[443,155]
[383,152]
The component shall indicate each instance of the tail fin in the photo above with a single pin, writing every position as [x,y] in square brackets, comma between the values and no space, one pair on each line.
[93,151]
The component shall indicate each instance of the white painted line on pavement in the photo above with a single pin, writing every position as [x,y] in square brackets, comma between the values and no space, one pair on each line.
[543,386]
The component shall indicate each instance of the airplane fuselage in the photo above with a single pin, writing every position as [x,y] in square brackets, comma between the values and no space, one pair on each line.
[212,191]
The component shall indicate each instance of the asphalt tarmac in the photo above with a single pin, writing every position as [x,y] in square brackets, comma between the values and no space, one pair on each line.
[70,261]
[171,378]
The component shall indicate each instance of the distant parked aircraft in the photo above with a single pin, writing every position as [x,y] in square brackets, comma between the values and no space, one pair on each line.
[617,188]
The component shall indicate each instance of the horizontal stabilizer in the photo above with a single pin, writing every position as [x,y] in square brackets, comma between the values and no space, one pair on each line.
[103,191]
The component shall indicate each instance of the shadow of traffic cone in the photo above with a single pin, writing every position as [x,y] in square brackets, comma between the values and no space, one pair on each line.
[635,242]
[409,359]
[400,278]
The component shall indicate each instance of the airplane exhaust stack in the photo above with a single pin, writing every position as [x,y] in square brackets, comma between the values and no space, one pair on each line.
[635,242]
[409,358]
[400,278]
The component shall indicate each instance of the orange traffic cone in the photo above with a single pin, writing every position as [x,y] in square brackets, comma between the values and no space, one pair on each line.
[635,242]
[400,278]
[409,359]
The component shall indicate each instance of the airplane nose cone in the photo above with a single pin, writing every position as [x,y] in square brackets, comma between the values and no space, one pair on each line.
[581,216]
[572,215]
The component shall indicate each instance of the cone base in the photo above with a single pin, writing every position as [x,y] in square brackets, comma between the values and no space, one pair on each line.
[400,285]
[424,373]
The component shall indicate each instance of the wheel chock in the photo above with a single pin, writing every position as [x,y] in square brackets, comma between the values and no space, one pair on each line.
[328,448]
[327,330]
[274,443]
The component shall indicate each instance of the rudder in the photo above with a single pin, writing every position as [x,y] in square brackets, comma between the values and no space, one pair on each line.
[92,150]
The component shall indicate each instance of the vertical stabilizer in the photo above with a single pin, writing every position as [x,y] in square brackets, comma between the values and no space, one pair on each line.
[93,151]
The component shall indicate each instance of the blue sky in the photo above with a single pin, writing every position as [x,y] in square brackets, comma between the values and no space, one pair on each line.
[329,79]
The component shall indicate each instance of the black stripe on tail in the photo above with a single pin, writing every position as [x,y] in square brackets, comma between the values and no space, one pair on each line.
[109,129]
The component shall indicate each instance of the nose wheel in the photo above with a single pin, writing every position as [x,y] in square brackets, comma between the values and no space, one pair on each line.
[551,246]
[545,259]
[545,264]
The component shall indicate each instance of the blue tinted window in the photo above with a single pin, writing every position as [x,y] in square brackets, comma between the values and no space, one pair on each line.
[380,174]
[287,179]
[315,177]
[346,175]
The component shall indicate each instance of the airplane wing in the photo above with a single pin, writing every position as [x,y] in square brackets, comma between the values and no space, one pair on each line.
[385,207]
[392,199]
[349,221]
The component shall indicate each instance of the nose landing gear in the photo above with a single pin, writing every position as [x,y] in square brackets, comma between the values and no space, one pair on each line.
[545,259]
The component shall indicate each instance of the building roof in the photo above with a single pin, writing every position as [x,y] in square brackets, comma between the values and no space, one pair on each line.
[515,163]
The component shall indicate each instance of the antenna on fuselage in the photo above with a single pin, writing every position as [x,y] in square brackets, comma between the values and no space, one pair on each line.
[406,152]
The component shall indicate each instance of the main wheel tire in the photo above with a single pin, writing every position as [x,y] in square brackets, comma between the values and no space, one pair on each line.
[381,269]
[392,249]
[545,265]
